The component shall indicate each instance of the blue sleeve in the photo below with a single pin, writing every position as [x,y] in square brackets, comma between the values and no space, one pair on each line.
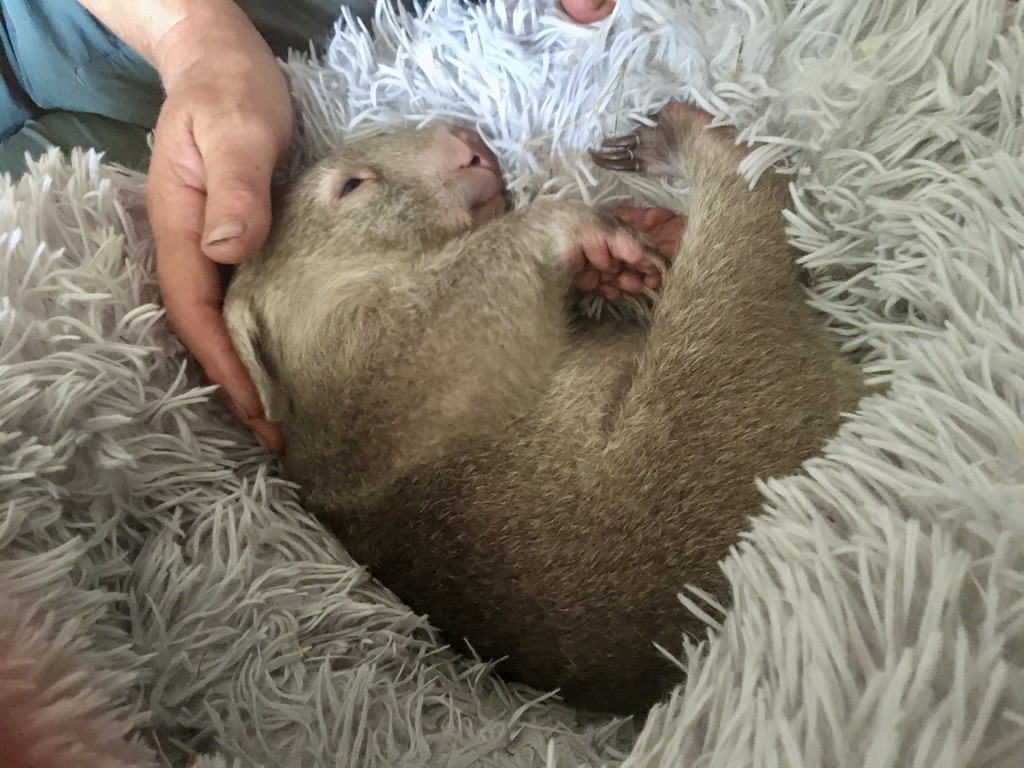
[65,59]
[59,57]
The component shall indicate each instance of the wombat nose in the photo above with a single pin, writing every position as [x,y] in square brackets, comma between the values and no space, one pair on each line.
[478,154]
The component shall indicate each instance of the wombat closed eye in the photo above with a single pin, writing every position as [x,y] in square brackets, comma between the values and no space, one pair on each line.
[539,488]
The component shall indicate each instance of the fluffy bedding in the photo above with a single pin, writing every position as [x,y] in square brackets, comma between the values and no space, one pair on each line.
[165,599]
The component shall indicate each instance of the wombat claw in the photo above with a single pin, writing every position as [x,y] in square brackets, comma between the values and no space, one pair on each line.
[619,153]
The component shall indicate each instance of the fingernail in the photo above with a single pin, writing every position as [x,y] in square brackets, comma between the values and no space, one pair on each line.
[262,441]
[228,229]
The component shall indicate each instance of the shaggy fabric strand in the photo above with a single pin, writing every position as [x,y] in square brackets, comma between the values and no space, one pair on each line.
[166,598]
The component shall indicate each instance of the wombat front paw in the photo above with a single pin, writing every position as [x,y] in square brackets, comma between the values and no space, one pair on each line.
[613,258]
[665,148]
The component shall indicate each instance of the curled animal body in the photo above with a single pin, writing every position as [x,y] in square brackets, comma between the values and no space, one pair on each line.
[540,487]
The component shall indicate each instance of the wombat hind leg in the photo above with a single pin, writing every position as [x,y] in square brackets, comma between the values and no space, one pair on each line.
[680,134]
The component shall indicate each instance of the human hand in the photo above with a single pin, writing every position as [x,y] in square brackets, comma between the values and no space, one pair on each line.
[587,11]
[225,123]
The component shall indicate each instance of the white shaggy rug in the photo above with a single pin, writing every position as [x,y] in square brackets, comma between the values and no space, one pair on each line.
[878,615]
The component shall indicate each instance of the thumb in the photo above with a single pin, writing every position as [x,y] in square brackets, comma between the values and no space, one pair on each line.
[238,174]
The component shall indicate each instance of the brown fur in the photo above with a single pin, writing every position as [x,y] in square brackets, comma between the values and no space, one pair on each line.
[540,487]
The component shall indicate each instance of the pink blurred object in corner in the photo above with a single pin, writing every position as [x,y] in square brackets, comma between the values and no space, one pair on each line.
[54,712]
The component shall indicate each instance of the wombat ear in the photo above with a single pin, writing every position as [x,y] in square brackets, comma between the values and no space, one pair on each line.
[250,335]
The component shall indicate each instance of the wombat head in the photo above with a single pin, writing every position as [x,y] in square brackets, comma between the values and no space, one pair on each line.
[344,235]
[395,193]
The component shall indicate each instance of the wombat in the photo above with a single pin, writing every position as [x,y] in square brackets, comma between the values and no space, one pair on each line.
[540,486]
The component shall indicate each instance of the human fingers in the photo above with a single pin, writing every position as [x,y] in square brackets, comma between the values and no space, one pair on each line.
[190,283]
[587,11]
[192,298]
